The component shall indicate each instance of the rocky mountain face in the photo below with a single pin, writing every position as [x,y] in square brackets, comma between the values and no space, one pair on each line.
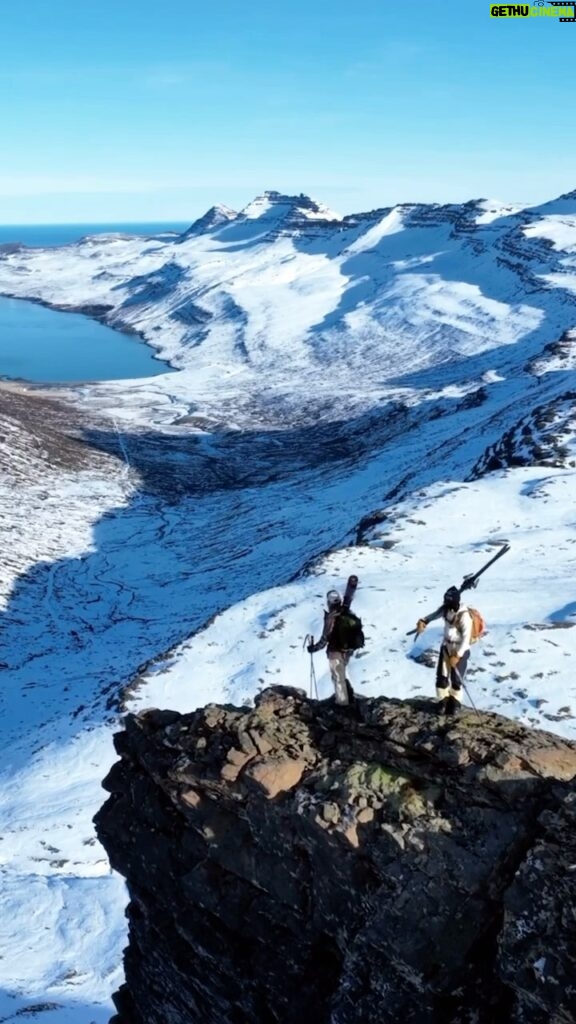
[297,862]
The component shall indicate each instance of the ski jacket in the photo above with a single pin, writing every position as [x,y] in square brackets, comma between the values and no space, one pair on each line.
[457,631]
[324,641]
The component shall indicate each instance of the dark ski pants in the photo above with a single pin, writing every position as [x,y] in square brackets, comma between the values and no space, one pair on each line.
[449,680]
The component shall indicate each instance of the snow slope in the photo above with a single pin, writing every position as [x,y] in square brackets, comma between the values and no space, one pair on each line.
[522,668]
[390,393]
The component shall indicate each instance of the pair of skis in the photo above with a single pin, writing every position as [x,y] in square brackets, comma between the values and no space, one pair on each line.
[347,599]
[468,583]
[349,592]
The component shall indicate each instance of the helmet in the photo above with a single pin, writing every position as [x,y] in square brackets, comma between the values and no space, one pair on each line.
[452,599]
[333,599]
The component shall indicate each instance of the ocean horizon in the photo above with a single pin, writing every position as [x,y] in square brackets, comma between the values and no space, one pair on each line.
[47,235]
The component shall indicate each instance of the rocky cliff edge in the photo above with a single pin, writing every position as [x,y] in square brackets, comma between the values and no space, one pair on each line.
[294,862]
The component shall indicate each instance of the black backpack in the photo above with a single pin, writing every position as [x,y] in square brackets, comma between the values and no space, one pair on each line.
[347,634]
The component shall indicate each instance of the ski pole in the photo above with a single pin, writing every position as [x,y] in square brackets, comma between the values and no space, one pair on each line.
[466,690]
[308,641]
[429,618]
[313,678]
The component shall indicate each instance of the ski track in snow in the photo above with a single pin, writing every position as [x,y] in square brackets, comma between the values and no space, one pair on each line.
[322,376]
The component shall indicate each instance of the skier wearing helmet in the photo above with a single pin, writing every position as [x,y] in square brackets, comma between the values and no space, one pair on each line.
[454,652]
[340,645]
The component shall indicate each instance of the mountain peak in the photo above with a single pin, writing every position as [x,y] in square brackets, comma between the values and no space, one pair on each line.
[277,206]
[213,218]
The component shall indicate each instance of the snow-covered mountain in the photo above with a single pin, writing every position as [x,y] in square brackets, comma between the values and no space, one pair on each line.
[390,393]
[285,304]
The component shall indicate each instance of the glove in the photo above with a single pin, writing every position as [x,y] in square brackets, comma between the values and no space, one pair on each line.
[310,648]
[421,626]
[453,660]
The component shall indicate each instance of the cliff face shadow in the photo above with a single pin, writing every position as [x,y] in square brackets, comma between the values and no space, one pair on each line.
[172,467]
[206,525]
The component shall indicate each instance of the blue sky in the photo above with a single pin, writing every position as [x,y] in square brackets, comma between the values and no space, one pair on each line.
[156,110]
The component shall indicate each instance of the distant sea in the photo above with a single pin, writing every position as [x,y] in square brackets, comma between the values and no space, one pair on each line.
[62,234]
[48,346]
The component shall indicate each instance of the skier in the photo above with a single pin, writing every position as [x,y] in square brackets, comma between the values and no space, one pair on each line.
[454,651]
[342,635]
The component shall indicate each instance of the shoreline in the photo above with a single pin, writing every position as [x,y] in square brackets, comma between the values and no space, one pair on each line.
[98,313]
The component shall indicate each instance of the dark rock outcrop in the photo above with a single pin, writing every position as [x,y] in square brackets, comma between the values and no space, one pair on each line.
[296,862]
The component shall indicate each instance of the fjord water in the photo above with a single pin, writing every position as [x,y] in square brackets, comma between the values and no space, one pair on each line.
[45,346]
[48,347]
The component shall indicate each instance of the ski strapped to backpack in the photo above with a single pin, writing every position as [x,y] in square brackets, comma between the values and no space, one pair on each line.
[349,592]
[348,627]
[469,583]
[346,633]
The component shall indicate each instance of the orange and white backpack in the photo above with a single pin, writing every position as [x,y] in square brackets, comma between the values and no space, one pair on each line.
[478,624]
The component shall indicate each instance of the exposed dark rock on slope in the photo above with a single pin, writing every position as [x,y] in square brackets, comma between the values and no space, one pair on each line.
[542,438]
[290,863]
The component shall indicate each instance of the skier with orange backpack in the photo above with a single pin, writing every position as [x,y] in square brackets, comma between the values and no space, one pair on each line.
[463,625]
[454,651]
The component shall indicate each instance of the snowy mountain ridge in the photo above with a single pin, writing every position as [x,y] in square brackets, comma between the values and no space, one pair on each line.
[389,393]
[213,218]
[331,314]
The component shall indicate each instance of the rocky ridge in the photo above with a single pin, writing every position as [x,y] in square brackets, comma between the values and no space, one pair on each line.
[296,862]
